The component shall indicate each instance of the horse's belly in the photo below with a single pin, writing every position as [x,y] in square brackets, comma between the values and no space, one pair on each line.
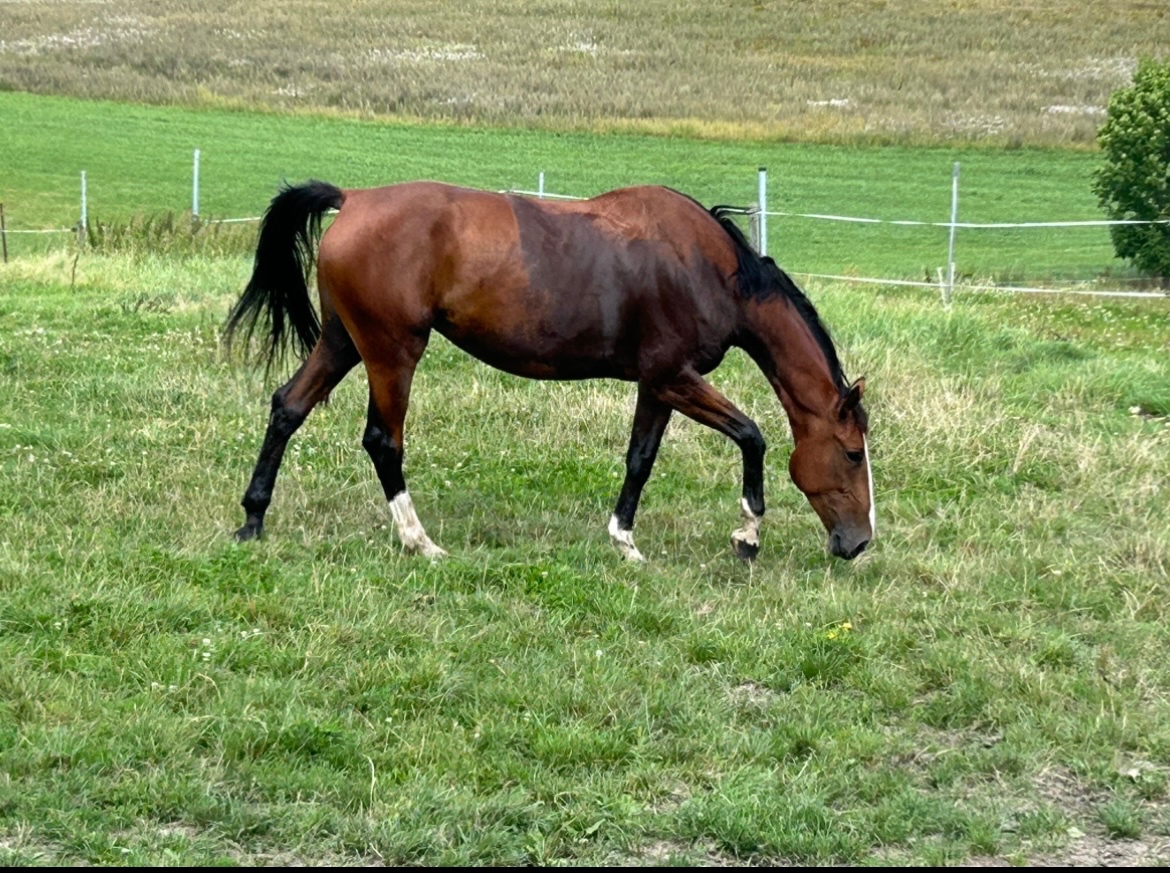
[537,355]
[543,336]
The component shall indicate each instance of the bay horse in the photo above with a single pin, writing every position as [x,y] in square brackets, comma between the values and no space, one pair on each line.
[641,284]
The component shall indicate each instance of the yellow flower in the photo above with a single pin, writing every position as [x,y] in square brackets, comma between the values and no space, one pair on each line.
[839,631]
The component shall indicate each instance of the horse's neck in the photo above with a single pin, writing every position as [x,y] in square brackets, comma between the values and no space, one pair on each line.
[792,361]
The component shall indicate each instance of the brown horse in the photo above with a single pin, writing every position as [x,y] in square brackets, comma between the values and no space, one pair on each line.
[641,284]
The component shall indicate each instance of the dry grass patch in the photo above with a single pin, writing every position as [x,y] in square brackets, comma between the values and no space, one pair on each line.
[901,70]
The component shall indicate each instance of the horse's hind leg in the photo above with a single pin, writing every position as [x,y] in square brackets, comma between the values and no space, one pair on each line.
[389,397]
[332,357]
[650,419]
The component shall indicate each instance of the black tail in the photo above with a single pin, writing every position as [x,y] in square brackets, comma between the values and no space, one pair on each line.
[278,292]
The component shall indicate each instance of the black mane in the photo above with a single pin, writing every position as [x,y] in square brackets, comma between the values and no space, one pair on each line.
[761,277]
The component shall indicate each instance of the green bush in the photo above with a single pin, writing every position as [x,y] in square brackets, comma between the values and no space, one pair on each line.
[1134,182]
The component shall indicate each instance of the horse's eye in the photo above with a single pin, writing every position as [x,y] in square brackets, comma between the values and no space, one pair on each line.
[855,457]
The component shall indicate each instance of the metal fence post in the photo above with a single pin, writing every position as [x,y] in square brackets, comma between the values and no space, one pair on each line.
[950,287]
[195,187]
[83,225]
[762,211]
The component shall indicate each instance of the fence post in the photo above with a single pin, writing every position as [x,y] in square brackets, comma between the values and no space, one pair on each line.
[540,186]
[195,188]
[3,234]
[950,287]
[83,225]
[762,211]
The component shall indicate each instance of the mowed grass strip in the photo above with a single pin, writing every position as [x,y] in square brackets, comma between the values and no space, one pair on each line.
[245,156]
[988,680]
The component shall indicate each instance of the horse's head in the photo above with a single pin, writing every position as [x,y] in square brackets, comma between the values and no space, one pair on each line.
[831,466]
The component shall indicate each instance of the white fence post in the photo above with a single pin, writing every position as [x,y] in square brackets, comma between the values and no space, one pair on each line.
[195,187]
[762,212]
[540,186]
[950,287]
[84,223]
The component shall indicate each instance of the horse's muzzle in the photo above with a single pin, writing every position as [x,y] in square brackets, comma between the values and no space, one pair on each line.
[846,546]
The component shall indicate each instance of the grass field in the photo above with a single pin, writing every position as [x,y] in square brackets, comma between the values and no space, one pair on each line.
[903,71]
[138,161]
[987,684]
[988,681]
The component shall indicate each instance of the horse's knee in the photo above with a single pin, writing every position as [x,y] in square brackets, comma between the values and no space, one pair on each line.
[377,443]
[754,443]
[374,440]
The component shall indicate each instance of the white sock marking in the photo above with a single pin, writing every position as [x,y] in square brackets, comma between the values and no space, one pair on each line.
[624,540]
[410,530]
[750,532]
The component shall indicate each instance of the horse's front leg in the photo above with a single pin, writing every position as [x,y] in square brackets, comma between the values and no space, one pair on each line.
[650,419]
[697,399]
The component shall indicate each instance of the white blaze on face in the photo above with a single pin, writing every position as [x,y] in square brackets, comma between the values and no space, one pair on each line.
[872,505]
[624,540]
[410,530]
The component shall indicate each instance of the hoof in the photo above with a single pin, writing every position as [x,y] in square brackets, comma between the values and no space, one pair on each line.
[623,541]
[744,550]
[630,553]
[249,532]
[430,550]
[424,547]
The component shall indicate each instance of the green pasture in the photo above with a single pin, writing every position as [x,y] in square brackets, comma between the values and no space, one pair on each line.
[988,681]
[986,686]
[138,161]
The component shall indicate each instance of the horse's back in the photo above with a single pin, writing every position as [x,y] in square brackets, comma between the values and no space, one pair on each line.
[548,289]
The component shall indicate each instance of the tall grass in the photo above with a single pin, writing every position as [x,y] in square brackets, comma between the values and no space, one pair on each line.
[170,234]
[988,680]
[904,71]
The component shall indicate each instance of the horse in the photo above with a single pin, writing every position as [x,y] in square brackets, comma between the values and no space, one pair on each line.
[640,284]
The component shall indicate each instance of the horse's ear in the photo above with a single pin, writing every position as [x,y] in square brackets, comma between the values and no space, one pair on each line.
[852,397]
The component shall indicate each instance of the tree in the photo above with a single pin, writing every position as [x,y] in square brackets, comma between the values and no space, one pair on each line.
[1134,181]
